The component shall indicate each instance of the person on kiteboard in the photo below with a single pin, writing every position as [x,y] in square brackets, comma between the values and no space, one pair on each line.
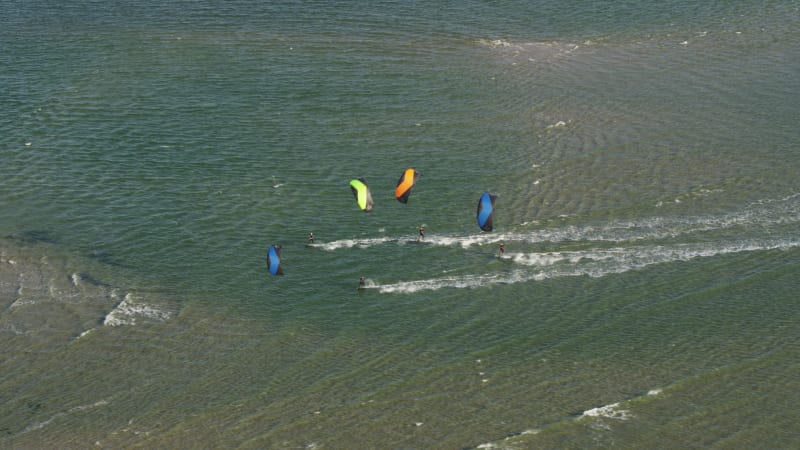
[421,235]
[361,281]
[311,237]
[502,249]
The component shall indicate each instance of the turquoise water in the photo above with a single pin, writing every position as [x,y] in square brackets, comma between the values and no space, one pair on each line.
[645,162]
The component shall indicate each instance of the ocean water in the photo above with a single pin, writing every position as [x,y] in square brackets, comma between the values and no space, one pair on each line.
[645,158]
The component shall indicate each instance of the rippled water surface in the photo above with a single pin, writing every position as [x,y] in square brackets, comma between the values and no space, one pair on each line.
[645,162]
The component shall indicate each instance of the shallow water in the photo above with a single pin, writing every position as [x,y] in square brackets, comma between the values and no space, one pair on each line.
[645,163]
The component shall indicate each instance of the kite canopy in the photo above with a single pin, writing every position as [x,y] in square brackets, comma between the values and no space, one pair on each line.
[362,194]
[486,211]
[274,260]
[404,185]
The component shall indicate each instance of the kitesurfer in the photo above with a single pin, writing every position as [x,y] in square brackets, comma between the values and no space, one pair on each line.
[311,237]
[361,282]
[421,235]
[502,249]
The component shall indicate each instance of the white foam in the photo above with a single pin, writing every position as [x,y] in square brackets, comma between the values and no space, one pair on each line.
[632,254]
[86,333]
[620,231]
[495,43]
[551,258]
[558,124]
[504,442]
[19,302]
[640,256]
[593,263]
[531,51]
[369,284]
[131,312]
[407,287]
[350,243]
[465,241]
[611,411]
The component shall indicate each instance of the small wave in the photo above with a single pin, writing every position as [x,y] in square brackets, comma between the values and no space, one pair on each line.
[350,243]
[85,333]
[559,124]
[495,43]
[131,312]
[531,51]
[611,411]
[368,284]
[468,281]
[638,257]
[508,439]
[11,328]
[40,425]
